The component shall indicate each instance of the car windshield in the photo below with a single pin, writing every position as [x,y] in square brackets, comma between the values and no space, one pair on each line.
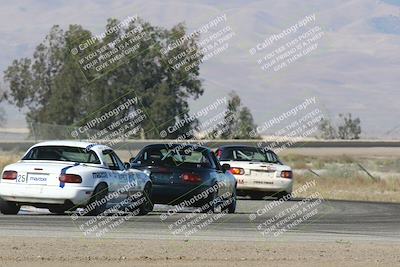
[177,156]
[248,154]
[62,153]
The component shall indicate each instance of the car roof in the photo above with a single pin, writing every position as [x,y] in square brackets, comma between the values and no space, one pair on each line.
[93,146]
[175,145]
[241,146]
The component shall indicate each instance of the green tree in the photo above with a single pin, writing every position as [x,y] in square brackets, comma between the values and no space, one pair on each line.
[53,88]
[2,112]
[238,121]
[246,123]
[327,131]
[347,129]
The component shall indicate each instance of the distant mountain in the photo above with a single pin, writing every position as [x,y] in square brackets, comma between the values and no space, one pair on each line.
[354,69]
[392,2]
[389,24]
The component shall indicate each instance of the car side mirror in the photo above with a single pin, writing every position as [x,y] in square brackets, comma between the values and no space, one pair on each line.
[127,165]
[226,167]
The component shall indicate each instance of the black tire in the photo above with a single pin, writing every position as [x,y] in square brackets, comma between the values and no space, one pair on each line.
[283,196]
[231,207]
[99,195]
[9,207]
[257,196]
[210,205]
[148,205]
[57,210]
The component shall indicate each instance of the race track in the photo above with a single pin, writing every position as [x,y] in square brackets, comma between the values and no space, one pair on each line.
[335,221]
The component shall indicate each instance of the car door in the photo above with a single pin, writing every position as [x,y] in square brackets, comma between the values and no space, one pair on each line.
[222,178]
[129,180]
[119,175]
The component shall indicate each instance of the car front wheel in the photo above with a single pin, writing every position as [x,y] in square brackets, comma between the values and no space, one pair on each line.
[148,205]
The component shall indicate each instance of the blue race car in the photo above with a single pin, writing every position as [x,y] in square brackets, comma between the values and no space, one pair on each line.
[188,175]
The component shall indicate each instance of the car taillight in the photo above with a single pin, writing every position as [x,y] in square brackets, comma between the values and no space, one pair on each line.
[237,171]
[287,174]
[191,177]
[9,175]
[70,178]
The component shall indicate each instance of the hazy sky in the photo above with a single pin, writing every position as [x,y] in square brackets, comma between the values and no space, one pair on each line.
[355,67]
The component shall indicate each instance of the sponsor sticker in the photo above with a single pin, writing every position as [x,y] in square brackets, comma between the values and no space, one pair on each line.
[99,175]
[40,179]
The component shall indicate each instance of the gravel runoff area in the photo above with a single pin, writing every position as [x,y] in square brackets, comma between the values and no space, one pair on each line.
[343,234]
[23,251]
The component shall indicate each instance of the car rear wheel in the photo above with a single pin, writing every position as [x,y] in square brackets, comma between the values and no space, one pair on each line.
[257,196]
[148,205]
[57,210]
[231,205]
[9,207]
[210,205]
[283,196]
[98,201]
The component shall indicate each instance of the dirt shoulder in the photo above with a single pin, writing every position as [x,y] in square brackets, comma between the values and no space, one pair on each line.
[22,251]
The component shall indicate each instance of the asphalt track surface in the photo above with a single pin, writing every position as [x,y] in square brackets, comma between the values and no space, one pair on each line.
[339,221]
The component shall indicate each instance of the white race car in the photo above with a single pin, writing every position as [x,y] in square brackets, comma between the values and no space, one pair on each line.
[258,173]
[65,175]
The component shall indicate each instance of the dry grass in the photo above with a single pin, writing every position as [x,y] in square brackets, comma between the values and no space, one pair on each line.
[298,161]
[361,188]
[379,164]
[342,178]
[8,158]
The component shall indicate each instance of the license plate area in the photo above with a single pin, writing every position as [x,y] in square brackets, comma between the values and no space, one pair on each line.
[37,178]
[263,182]
[262,174]
[161,177]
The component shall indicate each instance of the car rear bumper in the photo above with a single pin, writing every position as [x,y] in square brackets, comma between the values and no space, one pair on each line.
[174,194]
[45,194]
[273,185]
